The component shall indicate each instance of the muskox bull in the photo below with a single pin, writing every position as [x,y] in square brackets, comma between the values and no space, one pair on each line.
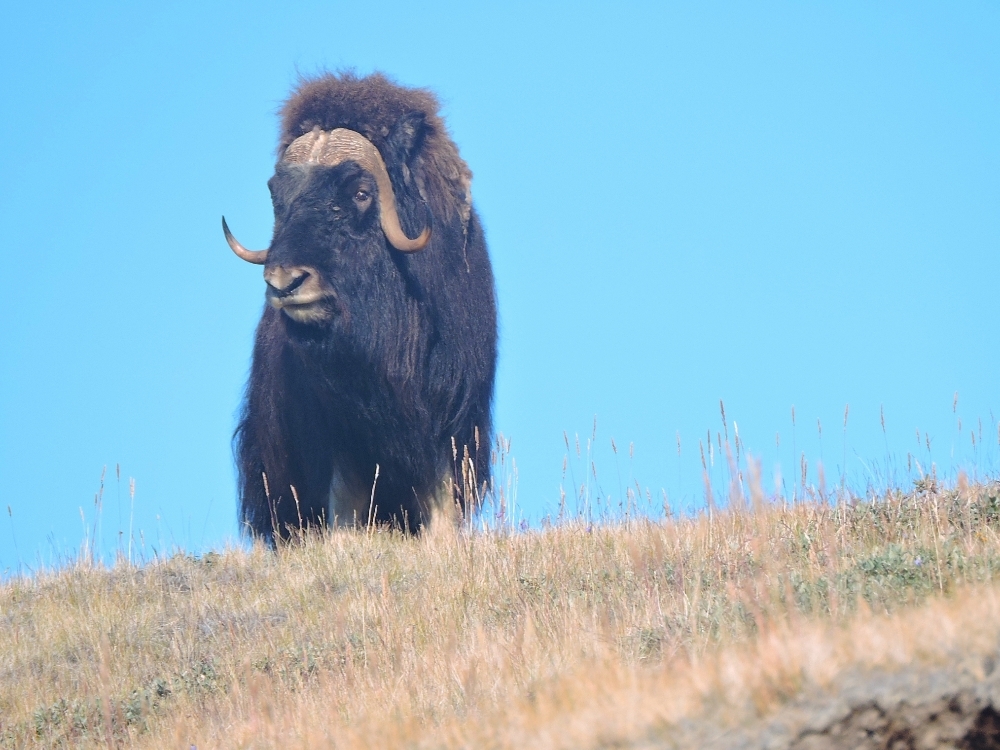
[372,376]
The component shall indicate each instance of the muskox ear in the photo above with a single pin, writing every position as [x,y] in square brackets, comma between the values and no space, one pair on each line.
[407,139]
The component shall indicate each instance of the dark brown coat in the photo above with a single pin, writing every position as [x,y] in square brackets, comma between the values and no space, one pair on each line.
[396,367]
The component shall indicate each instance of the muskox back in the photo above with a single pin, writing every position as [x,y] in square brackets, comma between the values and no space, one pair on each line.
[377,348]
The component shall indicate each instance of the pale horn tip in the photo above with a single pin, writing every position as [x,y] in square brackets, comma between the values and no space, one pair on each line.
[259,257]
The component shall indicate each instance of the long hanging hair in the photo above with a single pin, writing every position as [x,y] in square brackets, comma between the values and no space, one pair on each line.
[403,380]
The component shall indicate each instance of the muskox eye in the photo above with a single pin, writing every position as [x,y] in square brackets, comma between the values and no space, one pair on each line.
[362,196]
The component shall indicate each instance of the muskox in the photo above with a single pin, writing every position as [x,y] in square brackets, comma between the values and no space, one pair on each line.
[370,389]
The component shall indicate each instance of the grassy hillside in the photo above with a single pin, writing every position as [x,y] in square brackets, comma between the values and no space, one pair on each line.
[630,634]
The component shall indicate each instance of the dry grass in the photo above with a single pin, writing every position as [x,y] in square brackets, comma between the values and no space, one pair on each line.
[565,638]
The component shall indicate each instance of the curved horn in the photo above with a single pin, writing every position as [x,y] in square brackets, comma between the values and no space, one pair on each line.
[250,256]
[335,146]
[390,218]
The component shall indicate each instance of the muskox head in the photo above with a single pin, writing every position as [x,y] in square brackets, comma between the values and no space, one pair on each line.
[334,203]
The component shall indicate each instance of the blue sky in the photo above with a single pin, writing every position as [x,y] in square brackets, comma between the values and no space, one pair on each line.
[772,205]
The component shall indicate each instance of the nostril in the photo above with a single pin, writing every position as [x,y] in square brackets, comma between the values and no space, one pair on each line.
[296,283]
[283,282]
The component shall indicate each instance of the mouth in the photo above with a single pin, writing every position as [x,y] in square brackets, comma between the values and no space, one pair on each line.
[300,293]
[304,308]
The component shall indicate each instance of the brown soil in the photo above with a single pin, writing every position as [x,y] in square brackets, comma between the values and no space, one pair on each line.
[917,708]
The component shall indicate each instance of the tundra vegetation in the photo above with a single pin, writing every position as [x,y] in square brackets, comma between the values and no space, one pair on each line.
[626,633]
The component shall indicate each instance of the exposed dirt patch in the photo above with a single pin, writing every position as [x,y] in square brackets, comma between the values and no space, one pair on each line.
[917,708]
[958,722]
